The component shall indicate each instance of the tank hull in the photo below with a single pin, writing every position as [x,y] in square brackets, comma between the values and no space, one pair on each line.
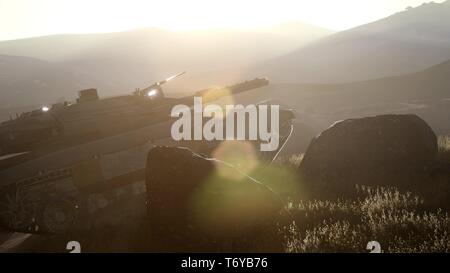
[78,182]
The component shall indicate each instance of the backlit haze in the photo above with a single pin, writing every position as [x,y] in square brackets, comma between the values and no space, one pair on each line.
[26,18]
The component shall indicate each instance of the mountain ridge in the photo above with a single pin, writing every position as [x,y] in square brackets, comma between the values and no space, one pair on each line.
[402,43]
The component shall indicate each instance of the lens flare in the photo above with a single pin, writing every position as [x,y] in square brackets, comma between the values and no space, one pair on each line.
[240,154]
[152,93]
[219,96]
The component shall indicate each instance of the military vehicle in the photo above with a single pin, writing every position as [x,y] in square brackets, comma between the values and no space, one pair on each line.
[61,164]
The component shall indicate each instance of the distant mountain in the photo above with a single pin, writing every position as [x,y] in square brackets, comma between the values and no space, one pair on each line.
[430,84]
[25,80]
[405,42]
[118,62]
[301,30]
[426,93]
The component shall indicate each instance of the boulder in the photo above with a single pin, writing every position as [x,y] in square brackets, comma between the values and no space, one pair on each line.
[195,203]
[381,150]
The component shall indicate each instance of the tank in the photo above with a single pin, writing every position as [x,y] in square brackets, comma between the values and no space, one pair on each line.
[65,162]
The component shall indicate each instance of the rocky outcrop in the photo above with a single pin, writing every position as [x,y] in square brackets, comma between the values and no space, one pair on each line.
[379,150]
[195,203]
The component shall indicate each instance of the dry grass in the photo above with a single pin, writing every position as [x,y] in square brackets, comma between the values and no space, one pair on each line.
[396,220]
[401,221]
[291,161]
[444,144]
[444,150]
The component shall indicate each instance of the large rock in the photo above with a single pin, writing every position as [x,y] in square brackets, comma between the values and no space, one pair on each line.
[196,203]
[381,150]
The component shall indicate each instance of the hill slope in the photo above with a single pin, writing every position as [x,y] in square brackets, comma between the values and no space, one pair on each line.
[426,93]
[25,80]
[125,60]
[402,43]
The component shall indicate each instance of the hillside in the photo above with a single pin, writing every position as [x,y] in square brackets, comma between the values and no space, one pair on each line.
[405,42]
[426,93]
[25,80]
[119,62]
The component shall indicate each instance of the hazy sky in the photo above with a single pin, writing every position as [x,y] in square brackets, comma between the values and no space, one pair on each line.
[24,18]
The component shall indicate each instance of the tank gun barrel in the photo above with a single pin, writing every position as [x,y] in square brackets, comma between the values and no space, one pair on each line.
[158,84]
[213,94]
[171,78]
